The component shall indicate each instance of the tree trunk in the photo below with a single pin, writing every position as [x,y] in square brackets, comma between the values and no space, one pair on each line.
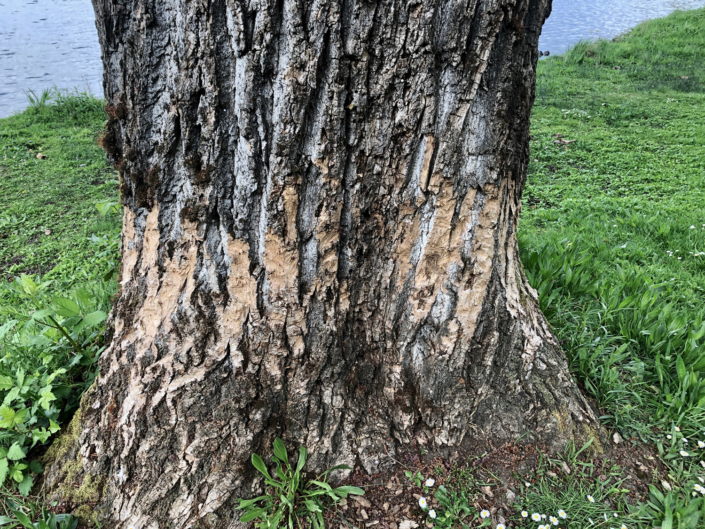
[319,243]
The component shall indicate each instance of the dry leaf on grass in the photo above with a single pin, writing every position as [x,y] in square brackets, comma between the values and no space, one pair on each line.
[363,502]
[565,467]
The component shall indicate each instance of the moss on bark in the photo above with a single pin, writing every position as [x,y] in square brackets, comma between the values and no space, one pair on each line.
[66,479]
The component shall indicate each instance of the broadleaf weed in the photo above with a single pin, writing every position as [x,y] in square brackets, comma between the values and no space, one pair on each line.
[290,499]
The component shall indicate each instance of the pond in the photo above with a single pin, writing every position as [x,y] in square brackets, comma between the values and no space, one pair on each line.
[45,43]
[575,20]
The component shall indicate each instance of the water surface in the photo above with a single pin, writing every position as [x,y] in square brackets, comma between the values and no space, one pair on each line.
[575,20]
[45,43]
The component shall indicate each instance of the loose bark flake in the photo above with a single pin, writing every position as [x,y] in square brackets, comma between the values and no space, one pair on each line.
[321,201]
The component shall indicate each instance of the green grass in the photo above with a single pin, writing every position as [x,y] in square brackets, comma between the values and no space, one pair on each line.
[585,499]
[47,206]
[612,236]
[623,208]
[58,257]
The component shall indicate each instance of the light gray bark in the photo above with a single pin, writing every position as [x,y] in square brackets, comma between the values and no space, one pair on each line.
[321,200]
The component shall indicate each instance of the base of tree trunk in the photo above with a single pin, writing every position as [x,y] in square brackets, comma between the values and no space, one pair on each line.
[544,409]
[83,493]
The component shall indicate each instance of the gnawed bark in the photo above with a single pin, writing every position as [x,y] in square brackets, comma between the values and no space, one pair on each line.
[319,243]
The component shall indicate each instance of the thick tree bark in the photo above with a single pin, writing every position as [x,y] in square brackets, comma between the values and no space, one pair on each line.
[319,243]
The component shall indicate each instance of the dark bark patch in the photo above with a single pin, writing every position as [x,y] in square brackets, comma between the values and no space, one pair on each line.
[110,141]
[203,176]
[189,213]
[153,176]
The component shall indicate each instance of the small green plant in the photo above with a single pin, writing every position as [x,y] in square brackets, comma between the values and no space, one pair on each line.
[415,477]
[49,342]
[290,499]
[63,318]
[670,510]
[455,507]
[107,207]
[47,520]
[455,510]
[570,453]
[38,102]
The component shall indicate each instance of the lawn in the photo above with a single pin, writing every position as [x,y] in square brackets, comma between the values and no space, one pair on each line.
[612,236]
[613,225]
[59,238]
[52,174]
